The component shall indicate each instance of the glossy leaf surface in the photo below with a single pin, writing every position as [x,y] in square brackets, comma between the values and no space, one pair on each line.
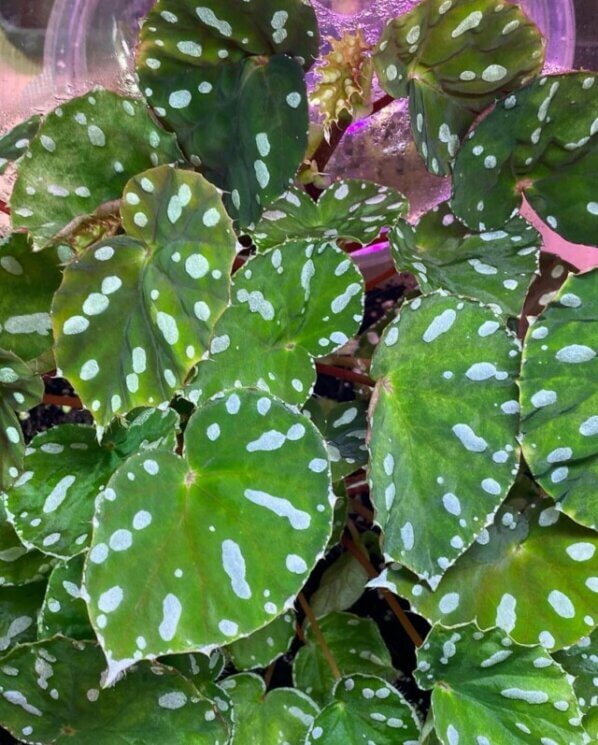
[64,610]
[265,645]
[14,144]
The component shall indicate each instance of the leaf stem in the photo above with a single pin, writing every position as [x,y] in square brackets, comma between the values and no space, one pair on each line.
[309,614]
[375,281]
[342,374]
[73,401]
[4,207]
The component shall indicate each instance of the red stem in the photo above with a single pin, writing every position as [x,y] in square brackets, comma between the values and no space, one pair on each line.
[375,281]
[342,374]
[4,207]
[73,401]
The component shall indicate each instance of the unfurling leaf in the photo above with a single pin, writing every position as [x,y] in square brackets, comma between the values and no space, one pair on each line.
[14,144]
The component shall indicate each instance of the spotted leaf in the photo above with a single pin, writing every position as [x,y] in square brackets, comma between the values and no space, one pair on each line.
[20,390]
[351,209]
[487,689]
[225,79]
[282,716]
[14,144]
[19,607]
[18,564]
[106,139]
[532,573]
[164,286]
[265,645]
[452,60]
[357,647]
[201,669]
[290,305]
[64,610]
[494,267]
[559,399]
[445,372]
[540,142]
[42,704]
[209,584]
[365,708]
[581,661]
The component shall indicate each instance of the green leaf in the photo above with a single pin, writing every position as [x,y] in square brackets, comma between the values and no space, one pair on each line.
[84,154]
[20,390]
[290,304]
[217,75]
[486,686]
[341,585]
[532,573]
[344,427]
[559,398]
[581,661]
[52,693]
[206,582]
[64,610]
[357,647]
[164,286]
[19,607]
[445,372]
[539,142]
[201,669]
[365,709]
[282,716]
[496,268]
[14,144]
[453,59]
[265,645]
[19,565]
[351,209]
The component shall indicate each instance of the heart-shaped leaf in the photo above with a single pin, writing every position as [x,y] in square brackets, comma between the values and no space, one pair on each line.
[205,581]
[542,142]
[496,267]
[20,390]
[365,709]
[19,565]
[217,75]
[106,139]
[351,209]
[357,647]
[52,693]
[452,59]
[290,304]
[165,285]
[265,645]
[29,281]
[486,686]
[19,607]
[64,610]
[581,661]
[532,573]
[559,398]
[14,144]
[445,372]
[283,716]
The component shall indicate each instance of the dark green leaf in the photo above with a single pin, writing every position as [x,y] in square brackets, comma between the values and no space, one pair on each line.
[342,584]
[64,610]
[265,645]
[581,661]
[19,607]
[14,144]
[19,565]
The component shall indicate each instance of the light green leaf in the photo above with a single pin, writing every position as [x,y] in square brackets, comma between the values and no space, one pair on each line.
[52,693]
[559,398]
[357,647]
[351,209]
[206,581]
[445,372]
[365,709]
[14,144]
[581,661]
[541,143]
[290,305]
[488,689]
[164,286]
[19,565]
[494,267]
[64,610]
[105,139]
[265,645]
[341,585]
[19,607]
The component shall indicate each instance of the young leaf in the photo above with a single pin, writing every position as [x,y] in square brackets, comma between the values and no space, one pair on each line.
[205,581]
[344,426]
[559,399]
[64,610]
[19,565]
[14,144]
[539,142]
[532,573]
[581,661]
[342,584]
[485,686]
[357,647]
[291,304]
[20,390]
[52,693]
[105,139]
[19,607]
[496,267]
[164,286]
[265,645]
[29,281]
[217,75]
[351,209]
[453,59]
[365,709]
[445,372]
[282,716]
